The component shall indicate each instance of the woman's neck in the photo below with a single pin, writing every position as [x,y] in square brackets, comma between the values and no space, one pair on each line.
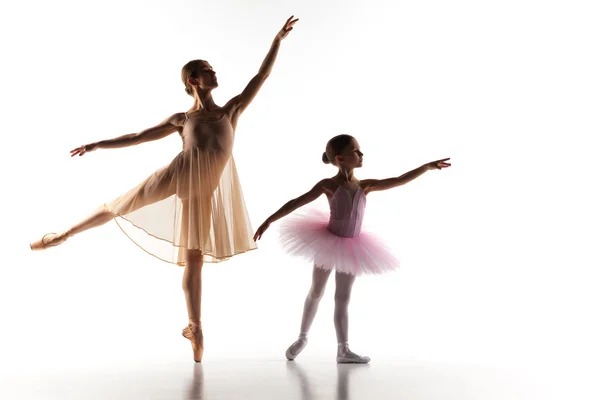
[203,101]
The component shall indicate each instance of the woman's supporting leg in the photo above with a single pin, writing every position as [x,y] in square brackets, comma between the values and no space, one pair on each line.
[192,288]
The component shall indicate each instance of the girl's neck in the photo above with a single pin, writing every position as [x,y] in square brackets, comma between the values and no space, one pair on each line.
[345,175]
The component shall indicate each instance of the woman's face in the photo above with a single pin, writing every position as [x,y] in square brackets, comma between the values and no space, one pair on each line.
[205,77]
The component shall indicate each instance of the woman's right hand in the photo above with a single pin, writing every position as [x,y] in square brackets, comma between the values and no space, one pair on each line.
[439,164]
[86,148]
[261,229]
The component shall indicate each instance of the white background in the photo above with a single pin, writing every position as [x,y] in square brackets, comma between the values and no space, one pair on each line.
[499,252]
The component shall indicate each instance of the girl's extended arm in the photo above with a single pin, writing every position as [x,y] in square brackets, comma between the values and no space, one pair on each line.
[372,185]
[290,206]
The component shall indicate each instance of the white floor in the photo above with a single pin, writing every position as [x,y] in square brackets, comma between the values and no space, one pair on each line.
[98,333]
[305,380]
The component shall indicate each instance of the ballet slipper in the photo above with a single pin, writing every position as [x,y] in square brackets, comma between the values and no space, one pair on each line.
[48,240]
[345,356]
[353,359]
[197,339]
[302,343]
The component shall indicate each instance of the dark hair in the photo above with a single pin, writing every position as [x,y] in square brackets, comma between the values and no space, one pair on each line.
[336,146]
[188,71]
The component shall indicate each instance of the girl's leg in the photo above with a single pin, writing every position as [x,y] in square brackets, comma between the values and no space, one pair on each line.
[343,291]
[192,288]
[311,304]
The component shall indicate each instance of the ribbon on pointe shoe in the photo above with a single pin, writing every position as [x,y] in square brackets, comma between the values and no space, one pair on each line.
[197,340]
[43,244]
[300,344]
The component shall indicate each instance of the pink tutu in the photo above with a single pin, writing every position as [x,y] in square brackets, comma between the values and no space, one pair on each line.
[306,234]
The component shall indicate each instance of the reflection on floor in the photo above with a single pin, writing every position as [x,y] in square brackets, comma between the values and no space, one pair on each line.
[280,380]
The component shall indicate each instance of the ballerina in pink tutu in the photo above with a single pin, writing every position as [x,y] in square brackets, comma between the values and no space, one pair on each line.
[335,241]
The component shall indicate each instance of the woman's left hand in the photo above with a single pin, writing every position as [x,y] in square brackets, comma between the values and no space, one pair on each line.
[287,28]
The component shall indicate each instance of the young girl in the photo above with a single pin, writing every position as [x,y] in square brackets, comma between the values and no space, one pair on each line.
[335,242]
[195,204]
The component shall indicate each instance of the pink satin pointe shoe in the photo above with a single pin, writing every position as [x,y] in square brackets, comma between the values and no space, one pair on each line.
[194,335]
[48,240]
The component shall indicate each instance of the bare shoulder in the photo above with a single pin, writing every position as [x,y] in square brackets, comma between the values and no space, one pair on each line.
[328,186]
[366,185]
[177,119]
[315,192]
[232,109]
[233,103]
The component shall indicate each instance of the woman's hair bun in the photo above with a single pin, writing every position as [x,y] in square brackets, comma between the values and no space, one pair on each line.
[325,158]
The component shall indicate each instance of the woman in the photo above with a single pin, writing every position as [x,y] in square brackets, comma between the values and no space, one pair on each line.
[195,204]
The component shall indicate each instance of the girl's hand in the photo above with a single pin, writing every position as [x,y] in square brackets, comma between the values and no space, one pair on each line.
[439,164]
[84,149]
[287,28]
[261,229]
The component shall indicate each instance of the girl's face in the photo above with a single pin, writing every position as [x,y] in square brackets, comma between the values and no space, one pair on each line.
[351,157]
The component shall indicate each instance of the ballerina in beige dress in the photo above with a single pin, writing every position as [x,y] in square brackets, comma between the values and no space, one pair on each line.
[195,204]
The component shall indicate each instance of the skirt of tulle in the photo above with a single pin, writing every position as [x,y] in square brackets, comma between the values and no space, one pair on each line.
[194,203]
[305,234]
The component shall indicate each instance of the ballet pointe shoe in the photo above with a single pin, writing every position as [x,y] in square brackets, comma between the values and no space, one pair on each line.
[48,240]
[197,338]
[296,348]
[345,356]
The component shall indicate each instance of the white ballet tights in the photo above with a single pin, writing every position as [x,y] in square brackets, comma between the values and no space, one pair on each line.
[343,291]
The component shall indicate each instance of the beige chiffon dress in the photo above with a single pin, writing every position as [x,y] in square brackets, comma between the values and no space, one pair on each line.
[194,203]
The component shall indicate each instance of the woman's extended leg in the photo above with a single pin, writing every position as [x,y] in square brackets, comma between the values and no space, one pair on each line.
[156,187]
[98,218]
